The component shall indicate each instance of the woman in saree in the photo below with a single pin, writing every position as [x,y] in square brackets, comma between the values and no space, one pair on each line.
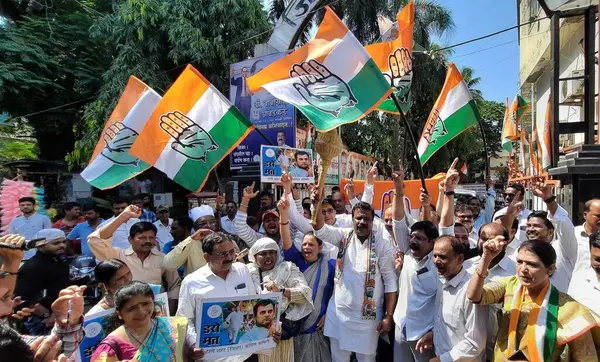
[111,274]
[537,321]
[143,336]
[271,274]
[311,345]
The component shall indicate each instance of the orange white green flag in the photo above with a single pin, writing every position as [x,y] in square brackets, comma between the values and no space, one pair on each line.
[453,112]
[394,59]
[191,130]
[546,138]
[331,79]
[509,130]
[111,163]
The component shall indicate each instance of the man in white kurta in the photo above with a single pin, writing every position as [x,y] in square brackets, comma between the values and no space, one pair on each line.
[345,323]
[235,320]
[585,284]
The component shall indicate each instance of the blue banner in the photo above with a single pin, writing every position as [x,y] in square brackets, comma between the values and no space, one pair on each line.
[275,118]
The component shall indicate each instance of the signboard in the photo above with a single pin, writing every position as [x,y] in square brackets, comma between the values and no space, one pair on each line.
[354,165]
[298,161]
[333,174]
[383,192]
[275,118]
[237,325]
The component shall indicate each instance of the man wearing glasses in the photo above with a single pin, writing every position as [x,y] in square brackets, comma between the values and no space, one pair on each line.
[144,261]
[511,192]
[221,277]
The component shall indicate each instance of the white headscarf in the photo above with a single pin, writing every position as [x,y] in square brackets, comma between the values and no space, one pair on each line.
[263,244]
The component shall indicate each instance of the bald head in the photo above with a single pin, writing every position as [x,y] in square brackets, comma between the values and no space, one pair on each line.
[490,231]
[591,214]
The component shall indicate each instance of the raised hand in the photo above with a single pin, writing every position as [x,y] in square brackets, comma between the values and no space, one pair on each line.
[398,260]
[119,139]
[191,140]
[452,177]
[200,234]
[283,205]
[398,178]
[220,201]
[425,198]
[372,174]
[72,295]
[493,247]
[321,88]
[541,190]
[249,192]
[349,189]
[515,205]
[14,254]
[131,212]
[286,180]
[313,192]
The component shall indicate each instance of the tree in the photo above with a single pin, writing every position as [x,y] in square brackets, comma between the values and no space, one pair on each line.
[385,138]
[156,39]
[472,82]
[47,60]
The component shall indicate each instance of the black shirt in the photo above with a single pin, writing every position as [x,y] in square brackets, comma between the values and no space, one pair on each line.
[42,271]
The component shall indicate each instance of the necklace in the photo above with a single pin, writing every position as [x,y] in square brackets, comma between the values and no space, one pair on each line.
[142,345]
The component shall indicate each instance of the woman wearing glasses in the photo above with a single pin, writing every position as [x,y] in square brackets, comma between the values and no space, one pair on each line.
[142,258]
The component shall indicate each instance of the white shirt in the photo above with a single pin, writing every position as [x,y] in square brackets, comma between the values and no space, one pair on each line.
[417,286]
[235,320]
[163,233]
[459,327]
[585,288]
[505,268]
[203,283]
[228,225]
[344,320]
[565,245]
[120,238]
[521,235]
[27,227]
[583,248]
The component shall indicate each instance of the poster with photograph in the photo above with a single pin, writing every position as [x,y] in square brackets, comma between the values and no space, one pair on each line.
[96,327]
[298,161]
[161,305]
[237,325]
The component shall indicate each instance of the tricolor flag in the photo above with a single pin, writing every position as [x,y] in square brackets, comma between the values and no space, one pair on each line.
[535,150]
[191,130]
[453,113]
[394,59]
[331,79]
[546,138]
[509,130]
[464,169]
[111,163]
[522,151]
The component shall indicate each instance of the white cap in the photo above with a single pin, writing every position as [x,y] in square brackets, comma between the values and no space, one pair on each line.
[49,235]
[199,211]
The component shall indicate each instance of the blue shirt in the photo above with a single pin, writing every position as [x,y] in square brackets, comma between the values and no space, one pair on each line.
[148,216]
[81,232]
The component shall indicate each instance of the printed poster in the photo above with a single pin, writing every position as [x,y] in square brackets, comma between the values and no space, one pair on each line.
[298,161]
[275,118]
[237,325]
[96,327]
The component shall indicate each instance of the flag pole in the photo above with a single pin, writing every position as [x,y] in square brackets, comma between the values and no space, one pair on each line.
[264,136]
[412,140]
[485,149]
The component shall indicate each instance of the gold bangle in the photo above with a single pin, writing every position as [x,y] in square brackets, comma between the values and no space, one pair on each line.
[246,206]
[284,223]
[481,275]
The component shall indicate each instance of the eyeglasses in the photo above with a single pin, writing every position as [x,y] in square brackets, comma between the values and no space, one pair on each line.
[225,254]
[506,194]
[465,217]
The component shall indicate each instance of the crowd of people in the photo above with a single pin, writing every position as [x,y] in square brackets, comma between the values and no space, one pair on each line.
[459,281]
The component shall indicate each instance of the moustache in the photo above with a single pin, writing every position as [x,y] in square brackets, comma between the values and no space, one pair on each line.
[146,244]
[413,246]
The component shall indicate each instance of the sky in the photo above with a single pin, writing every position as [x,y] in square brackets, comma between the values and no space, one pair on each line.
[498,67]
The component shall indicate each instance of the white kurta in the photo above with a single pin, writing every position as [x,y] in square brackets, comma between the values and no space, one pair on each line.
[344,320]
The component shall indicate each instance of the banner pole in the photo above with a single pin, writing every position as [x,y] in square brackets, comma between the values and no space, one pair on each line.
[412,140]
[485,149]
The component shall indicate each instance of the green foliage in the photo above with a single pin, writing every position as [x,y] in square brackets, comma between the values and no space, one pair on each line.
[155,39]
[47,60]
[17,150]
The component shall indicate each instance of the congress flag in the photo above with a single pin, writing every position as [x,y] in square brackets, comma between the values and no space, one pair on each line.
[331,79]
[546,138]
[191,130]
[509,130]
[111,163]
[394,59]
[464,168]
[453,112]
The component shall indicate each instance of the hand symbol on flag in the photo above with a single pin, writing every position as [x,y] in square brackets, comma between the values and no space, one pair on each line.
[191,140]
[401,71]
[119,139]
[321,88]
